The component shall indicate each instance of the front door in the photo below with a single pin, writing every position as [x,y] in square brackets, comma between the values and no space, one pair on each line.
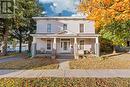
[65,46]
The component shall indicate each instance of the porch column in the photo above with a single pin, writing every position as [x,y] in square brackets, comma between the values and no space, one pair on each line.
[34,47]
[75,48]
[54,49]
[97,47]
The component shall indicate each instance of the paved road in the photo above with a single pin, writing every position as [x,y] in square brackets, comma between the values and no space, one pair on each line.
[10,59]
[65,73]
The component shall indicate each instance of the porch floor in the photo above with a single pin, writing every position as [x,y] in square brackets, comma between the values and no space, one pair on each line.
[65,56]
[59,56]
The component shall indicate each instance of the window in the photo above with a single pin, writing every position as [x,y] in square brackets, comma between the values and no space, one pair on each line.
[61,44]
[48,44]
[48,28]
[81,28]
[80,0]
[128,43]
[64,26]
[82,44]
[8,47]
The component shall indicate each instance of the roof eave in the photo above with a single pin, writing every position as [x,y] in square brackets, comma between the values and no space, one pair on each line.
[59,18]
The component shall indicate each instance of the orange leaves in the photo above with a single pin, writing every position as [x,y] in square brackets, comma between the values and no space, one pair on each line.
[106,2]
[127,1]
[82,7]
[104,11]
[120,6]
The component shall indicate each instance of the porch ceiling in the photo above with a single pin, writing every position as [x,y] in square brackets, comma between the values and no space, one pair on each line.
[84,35]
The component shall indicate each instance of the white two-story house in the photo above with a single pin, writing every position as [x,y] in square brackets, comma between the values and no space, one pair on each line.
[65,35]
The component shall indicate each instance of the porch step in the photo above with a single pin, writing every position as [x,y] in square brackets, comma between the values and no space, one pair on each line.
[65,56]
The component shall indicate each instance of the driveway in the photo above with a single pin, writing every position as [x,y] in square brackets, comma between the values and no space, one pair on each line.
[10,59]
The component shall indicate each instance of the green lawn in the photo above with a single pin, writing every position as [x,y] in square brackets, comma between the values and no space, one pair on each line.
[31,63]
[65,82]
[100,63]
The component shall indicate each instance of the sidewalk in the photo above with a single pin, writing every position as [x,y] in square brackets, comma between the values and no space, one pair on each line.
[65,73]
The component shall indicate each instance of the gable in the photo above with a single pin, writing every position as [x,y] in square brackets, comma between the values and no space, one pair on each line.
[65,32]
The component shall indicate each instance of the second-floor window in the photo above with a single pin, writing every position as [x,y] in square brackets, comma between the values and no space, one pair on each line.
[81,28]
[64,26]
[49,28]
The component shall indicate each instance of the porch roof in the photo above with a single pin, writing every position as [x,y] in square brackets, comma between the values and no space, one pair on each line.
[52,35]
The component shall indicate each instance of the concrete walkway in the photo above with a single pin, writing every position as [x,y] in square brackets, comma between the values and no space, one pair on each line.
[64,64]
[65,73]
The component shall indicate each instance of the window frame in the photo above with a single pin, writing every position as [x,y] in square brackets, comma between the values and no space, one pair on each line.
[64,26]
[81,44]
[81,28]
[49,44]
[49,28]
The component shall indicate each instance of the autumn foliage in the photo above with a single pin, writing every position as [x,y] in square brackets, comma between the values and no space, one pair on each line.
[105,11]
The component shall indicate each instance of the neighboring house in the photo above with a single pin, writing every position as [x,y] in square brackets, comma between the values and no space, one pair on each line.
[11,48]
[65,35]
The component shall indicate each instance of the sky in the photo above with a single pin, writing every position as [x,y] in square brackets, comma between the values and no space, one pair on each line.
[59,7]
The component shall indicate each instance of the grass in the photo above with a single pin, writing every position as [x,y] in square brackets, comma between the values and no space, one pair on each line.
[31,63]
[65,82]
[100,63]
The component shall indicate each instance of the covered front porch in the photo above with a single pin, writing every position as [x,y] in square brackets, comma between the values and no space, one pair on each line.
[66,46]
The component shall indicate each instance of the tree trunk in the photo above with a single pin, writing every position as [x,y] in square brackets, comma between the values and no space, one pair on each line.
[5,41]
[114,49]
[20,41]
[29,45]
[20,44]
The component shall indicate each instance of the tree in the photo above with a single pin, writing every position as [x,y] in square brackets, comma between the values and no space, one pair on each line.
[117,32]
[111,18]
[5,27]
[104,11]
[21,25]
[23,22]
